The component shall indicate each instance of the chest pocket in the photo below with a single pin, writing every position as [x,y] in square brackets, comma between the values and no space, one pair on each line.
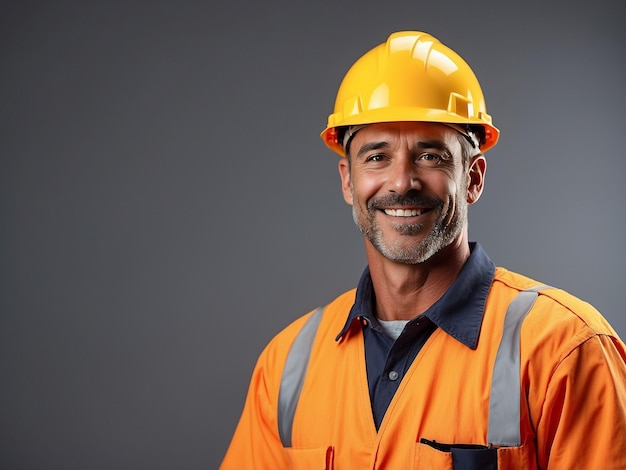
[429,457]
[503,432]
[310,459]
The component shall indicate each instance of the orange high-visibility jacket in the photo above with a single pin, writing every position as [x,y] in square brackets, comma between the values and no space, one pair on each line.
[570,392]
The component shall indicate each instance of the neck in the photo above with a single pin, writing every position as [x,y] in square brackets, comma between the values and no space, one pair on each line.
[404,291]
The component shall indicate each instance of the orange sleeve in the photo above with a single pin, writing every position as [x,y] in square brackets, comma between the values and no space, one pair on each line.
[583,420]
[255,444]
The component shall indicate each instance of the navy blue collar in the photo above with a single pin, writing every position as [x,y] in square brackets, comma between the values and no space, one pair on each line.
[459,312]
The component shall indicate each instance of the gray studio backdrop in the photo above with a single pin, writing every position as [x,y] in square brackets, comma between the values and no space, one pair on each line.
[167,205]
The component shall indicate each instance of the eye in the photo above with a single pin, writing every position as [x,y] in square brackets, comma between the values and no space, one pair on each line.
[430,158]
[376,157]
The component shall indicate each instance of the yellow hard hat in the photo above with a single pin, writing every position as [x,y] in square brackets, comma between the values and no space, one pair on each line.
[411,77]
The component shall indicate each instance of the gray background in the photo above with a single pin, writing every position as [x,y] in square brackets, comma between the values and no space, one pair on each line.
[167,205]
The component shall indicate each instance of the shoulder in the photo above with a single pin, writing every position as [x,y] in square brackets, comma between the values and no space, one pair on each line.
[554,305]
[334,316]
[558,324]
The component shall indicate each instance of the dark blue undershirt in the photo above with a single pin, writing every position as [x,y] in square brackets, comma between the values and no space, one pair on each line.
[459,312]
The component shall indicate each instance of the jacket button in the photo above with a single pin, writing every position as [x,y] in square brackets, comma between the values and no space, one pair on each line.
[393,375]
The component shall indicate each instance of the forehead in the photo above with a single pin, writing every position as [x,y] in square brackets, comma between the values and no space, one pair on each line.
[407,134]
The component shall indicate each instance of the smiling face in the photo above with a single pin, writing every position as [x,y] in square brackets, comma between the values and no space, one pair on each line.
[409,188]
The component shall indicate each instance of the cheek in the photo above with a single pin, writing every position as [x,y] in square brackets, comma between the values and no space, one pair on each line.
[450,191]
[363,189]
[456,185]
[457,195]
[446,187]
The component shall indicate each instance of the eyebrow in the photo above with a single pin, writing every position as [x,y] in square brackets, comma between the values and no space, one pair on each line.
[371,146]
[433,144]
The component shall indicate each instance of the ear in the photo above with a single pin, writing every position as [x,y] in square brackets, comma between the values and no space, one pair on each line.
[344,173]
[476,177]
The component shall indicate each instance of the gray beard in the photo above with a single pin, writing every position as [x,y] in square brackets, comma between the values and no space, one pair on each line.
[440,236]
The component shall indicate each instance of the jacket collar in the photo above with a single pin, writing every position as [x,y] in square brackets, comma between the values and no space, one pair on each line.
[459,311]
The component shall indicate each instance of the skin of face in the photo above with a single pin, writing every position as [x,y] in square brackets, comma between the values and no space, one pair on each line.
[409,188]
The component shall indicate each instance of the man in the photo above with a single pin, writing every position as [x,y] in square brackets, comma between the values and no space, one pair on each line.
[438,359]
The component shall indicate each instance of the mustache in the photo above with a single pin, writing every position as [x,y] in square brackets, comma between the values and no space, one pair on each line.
[408,199]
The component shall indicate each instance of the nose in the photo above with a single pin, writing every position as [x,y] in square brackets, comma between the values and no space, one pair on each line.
[404,176]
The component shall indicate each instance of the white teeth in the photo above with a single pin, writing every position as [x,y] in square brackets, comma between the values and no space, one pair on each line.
[403,212]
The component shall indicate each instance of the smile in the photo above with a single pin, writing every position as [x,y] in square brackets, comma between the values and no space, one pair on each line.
[404,212]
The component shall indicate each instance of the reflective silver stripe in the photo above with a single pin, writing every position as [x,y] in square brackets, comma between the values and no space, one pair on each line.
[504,401]
[293,376]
